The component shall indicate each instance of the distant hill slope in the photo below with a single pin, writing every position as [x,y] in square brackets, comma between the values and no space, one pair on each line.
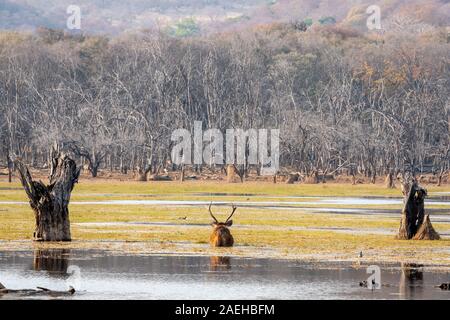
[180,16]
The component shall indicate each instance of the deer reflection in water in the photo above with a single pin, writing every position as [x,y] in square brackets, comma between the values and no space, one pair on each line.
[219,263]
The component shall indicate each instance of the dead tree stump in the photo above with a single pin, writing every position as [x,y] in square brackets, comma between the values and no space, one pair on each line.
[142,173]
[389,181]
[50,203]
[293,177]
[414,224]
[233,173]
[313,178]
[426,231]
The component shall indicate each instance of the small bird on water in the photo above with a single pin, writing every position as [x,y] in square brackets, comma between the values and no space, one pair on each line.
[444,286]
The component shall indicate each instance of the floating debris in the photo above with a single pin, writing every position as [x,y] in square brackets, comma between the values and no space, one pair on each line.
[36,292]
[445,286]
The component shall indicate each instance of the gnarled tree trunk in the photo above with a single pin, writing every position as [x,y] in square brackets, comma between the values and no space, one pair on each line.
[414,224]
[50,203]
[426,231]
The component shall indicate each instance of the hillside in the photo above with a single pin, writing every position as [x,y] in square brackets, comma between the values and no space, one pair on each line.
[207,16]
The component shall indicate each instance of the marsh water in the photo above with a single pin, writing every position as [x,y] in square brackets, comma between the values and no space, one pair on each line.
[107,275]
[360,206]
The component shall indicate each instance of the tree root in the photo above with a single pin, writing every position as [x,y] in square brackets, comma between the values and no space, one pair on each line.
[426,231]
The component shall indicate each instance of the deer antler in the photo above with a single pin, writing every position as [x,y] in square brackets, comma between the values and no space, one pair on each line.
[210,212]
[232,212]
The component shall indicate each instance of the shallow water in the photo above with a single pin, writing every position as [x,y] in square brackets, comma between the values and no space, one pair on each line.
[105,275]
[303,204]
[301,200]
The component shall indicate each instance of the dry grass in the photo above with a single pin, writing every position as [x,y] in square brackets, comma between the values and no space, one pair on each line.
[257,232]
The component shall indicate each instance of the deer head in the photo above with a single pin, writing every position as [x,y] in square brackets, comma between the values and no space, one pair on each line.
[221,235]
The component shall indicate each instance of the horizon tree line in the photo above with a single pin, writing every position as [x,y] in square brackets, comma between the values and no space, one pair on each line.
[344,102]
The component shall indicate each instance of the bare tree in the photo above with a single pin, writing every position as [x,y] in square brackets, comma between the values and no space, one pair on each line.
[50,202]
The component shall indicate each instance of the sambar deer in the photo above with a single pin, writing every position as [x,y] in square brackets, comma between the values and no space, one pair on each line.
[221,235]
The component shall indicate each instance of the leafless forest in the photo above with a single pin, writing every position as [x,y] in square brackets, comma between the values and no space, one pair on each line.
[345,102]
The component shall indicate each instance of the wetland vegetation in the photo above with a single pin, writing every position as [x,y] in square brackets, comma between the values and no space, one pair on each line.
[262,229]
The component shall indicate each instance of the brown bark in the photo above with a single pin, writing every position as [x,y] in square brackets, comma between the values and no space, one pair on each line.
[426,231]
[231,173]
[413,223]
[50,202]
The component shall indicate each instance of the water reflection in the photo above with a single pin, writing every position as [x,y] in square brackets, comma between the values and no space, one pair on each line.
[411,278]
[104,274]
[54,261]
[219,263]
